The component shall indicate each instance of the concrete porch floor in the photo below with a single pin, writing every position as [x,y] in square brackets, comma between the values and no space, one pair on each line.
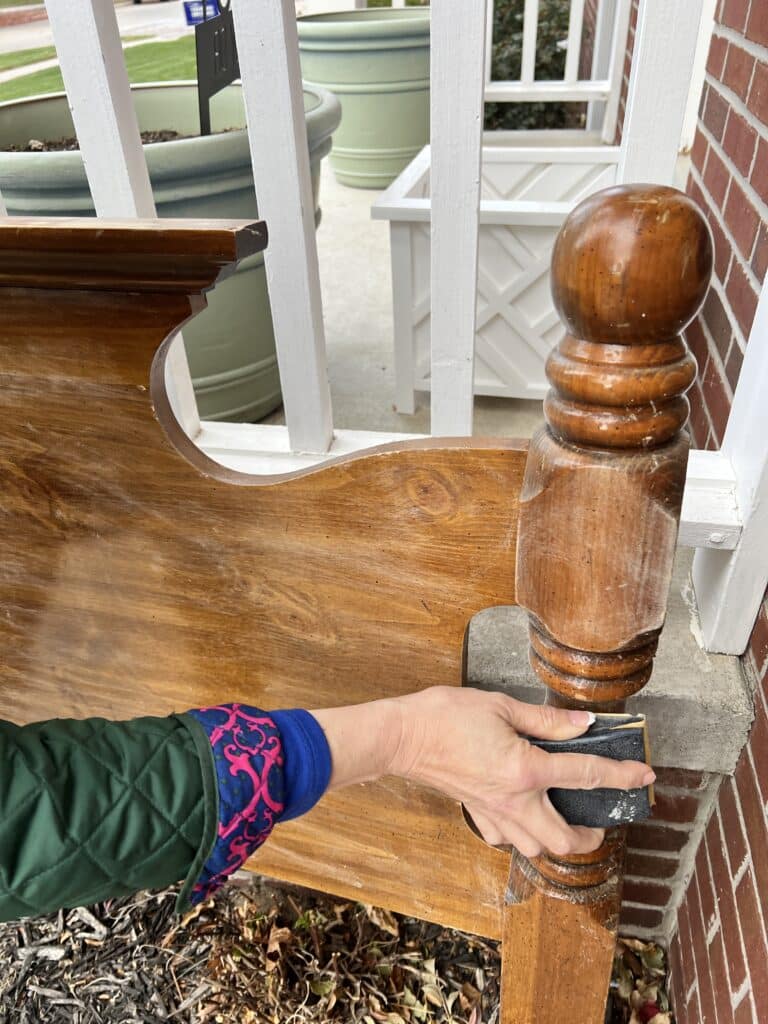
[356,283]
[698,704]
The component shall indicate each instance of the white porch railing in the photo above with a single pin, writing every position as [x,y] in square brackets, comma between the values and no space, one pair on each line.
[601,89]
[88,45]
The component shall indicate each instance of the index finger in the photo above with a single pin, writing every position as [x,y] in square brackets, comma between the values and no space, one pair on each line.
[587,771]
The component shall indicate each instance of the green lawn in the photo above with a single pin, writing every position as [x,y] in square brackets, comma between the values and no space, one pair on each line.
[21,57]
[19,3]
[149,62]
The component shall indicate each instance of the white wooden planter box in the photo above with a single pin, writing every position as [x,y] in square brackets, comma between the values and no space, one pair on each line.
[527,191]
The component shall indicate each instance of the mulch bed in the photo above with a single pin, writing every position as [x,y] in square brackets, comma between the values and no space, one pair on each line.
[267,954]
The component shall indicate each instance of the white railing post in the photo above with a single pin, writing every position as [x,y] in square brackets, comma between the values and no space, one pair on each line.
[730,585]
[268,48]
[573,52]
[601,58]
[457,87]
[90,54]
[530,32]
[491,8]
[662,65]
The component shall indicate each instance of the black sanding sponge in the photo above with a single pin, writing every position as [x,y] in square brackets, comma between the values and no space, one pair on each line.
[619,736]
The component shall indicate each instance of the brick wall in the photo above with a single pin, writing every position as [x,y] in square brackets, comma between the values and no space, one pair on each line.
[729,179]
[661,852]
[588,38]
[707,878]
[627,67]
[719,956]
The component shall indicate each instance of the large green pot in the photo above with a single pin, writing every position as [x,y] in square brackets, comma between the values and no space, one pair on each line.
[377,63]
[230,345]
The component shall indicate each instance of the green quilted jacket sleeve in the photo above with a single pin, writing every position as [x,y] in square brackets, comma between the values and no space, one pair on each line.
[95,809]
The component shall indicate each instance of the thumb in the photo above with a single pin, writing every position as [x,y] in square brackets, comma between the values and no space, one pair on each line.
[545,721]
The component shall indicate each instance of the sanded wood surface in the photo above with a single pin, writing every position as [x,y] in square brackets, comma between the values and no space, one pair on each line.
[137,578]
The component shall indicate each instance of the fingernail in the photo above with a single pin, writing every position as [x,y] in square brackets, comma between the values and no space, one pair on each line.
[581,717]
[648,778]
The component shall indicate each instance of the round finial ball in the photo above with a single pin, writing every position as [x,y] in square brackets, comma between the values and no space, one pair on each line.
[631,265]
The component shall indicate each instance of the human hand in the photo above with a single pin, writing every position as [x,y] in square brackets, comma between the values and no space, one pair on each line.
[467,743]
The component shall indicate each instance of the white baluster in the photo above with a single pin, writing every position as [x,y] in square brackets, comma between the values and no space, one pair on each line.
[268,48]
[457,86]
[575,24]
[530,31]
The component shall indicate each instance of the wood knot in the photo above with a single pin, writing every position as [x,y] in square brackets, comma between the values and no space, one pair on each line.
[631,265]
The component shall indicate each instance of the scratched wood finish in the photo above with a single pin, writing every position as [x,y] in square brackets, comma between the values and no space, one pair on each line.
[598,524]
[138,577]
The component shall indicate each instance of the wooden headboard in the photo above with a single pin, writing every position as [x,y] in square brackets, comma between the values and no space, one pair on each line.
[137,576]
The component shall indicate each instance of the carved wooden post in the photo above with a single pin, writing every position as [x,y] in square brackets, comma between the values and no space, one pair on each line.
[598,527]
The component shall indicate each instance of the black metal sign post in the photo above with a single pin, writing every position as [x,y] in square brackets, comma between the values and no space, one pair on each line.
[217,64]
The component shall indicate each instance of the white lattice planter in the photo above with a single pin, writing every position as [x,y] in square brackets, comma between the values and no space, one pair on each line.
[527,191]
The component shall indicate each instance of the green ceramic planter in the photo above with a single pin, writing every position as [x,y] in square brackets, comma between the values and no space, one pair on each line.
[377,63]
[230,345]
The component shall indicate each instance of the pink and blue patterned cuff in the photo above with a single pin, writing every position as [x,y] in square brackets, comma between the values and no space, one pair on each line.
[270,767]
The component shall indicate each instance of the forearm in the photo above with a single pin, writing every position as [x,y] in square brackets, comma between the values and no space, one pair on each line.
[364,740]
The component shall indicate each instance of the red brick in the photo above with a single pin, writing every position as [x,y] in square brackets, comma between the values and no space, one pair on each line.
[742,297]
[757,101]
[757,25]
[675,807]
[754,938]
[692,1009]
[754,820]
[701,958]
[720,979]
[699,150]
[717,321]
[733,364]
[735,840]
[738,70]
[717,399]
[675,963]
[639,917]
[715,113]
[726,905]
[759,179]
[699,346]
[758,643]
[739,142]
[653,836]
[699,423]
[759,262]
[706,890]
[645,865]
[716,177]
[723,250]
[758,744]
[686,949]
[734,14]
[743,1013]
[716,56]
[742,219]
[637,891]
[681,778]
